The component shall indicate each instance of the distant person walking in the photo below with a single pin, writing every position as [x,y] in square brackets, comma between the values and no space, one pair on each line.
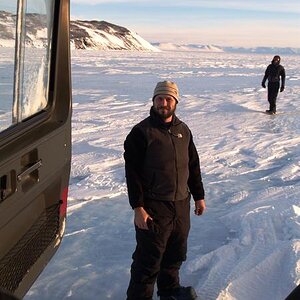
[273,73]
[162,171]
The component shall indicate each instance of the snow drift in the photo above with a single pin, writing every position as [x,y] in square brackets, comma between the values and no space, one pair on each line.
[247,244]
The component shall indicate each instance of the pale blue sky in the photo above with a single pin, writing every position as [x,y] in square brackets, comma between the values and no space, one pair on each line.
[246,23]
[225,23]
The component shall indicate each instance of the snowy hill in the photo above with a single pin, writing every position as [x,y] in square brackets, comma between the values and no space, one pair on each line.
[101,35]
[188,47]
[7,25]
[35,28]
[96,35]
[215,48]
[264,50]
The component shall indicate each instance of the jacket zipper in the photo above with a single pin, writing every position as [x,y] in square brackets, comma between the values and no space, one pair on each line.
[174,148]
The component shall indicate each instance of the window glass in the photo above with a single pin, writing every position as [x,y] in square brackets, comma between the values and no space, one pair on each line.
[8,11]
[25,47]
[38,24]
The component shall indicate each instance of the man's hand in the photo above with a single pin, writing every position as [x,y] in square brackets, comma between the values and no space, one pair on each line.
[282,88]
[263,85]
[141,217]
[200,206]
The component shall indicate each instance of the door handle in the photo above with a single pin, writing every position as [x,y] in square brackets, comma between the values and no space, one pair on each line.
[29,170]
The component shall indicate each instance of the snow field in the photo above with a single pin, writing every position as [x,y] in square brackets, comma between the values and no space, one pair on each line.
[246,246]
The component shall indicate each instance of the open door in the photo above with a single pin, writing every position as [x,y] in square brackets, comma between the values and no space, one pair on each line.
[35,137]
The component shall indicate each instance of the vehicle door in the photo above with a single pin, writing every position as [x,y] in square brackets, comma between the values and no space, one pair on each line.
[35,137]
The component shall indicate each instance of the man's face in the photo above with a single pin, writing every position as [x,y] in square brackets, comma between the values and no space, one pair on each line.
[164,105]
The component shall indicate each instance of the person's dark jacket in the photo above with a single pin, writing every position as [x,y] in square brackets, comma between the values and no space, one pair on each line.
[273,74]
[161,162]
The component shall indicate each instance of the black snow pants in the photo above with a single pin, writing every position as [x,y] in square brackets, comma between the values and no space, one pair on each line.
[161,250]
[273,88]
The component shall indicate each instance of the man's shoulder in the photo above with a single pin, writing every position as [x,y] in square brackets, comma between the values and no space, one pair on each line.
[137,131]
[143,123]
[180,123]
[138,128]
[182,127]
[281,67]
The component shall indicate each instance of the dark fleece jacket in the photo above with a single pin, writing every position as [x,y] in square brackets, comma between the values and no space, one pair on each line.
[161,162]
[273,74]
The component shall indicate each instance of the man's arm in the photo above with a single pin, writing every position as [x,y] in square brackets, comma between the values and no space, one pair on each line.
[134,147]
[282,79]
[263,83]
[195,179]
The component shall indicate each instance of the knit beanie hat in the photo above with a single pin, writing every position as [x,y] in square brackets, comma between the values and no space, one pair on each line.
[167,88]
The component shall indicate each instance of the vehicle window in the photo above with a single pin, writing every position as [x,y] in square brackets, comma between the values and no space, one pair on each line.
[25,59]
[7,43]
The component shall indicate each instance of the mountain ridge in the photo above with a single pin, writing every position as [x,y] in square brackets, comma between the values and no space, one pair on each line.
[95,35]
[102,35]
[228,49]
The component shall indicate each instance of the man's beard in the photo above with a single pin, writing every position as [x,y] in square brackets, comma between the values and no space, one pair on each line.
[164,111]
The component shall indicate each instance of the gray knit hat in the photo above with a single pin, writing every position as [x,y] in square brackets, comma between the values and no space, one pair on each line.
[167,88]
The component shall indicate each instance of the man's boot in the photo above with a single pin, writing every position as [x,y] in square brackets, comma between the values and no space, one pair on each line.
[180,293]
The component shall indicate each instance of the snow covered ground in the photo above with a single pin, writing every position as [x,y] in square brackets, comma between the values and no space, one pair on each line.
[247,244]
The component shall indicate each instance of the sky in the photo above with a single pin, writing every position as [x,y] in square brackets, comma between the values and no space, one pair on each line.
[242,23]
[224,23]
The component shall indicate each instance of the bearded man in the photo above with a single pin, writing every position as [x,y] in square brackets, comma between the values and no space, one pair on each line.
[162,172]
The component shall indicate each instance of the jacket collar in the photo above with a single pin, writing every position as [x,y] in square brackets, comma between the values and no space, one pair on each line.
[159,122]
